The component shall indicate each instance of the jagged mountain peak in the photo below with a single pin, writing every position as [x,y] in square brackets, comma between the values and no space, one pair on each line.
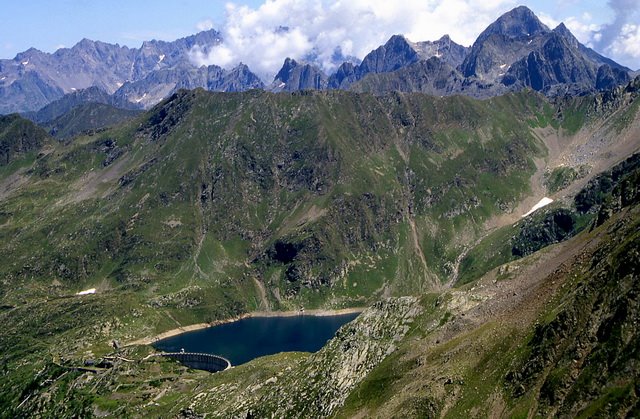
[289,64]
[564,32]
[519,37]
[86,43]
[397,39]
[516,23]
[24,56]
[395,53]
[444,49]
[298,76]
[202,38]
[562,28]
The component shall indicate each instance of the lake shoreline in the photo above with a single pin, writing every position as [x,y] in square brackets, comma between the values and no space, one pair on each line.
[199,326]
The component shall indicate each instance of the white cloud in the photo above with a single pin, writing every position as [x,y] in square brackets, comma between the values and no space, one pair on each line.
[204,25]
[548,20]
[583,29]
[263,37]
[626,46]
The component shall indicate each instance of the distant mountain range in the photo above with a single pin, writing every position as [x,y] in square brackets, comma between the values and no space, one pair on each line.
[142,76]
[515,52]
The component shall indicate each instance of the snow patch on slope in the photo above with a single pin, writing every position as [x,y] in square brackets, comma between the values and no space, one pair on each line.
[542,203]
[87,292]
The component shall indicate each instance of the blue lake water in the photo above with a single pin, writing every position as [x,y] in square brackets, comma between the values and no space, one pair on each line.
[246,339]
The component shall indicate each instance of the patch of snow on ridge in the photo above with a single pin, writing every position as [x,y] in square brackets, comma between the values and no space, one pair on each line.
[140,100]
[542,203]
[86,292]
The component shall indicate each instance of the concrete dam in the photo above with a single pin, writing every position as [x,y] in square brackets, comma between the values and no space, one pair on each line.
[200,361]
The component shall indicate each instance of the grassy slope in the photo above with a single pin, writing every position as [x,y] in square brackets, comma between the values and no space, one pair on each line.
[337,175]
[88,117]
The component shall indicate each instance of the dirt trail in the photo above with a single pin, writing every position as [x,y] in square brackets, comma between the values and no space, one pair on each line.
[418,248]
[455,271]
[12,183]
[264,301]
[87,186]
[196,255]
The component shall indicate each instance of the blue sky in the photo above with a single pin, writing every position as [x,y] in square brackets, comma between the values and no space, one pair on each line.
[47,25]
[356,26]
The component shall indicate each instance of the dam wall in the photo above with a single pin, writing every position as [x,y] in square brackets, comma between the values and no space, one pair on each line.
[200,361]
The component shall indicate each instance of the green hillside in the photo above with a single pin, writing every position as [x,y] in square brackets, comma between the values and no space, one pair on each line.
[306,194]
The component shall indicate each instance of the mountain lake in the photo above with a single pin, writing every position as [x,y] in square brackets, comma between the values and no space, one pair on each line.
[245,339]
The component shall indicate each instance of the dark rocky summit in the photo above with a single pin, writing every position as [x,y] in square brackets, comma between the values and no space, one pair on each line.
[297,76]
[18,137]
[515,52]
[393,55]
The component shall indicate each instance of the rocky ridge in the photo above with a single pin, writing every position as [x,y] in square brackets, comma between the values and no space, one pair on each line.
[33,78]
[294,76]
[515,52]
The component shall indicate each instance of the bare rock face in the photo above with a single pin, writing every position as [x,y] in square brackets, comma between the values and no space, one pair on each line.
[295,76]
[30,92]
[393,55]
[161,84]
[514,34]
[433,76]
[560,66]
[555,63]
[608,78]
[444,49]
